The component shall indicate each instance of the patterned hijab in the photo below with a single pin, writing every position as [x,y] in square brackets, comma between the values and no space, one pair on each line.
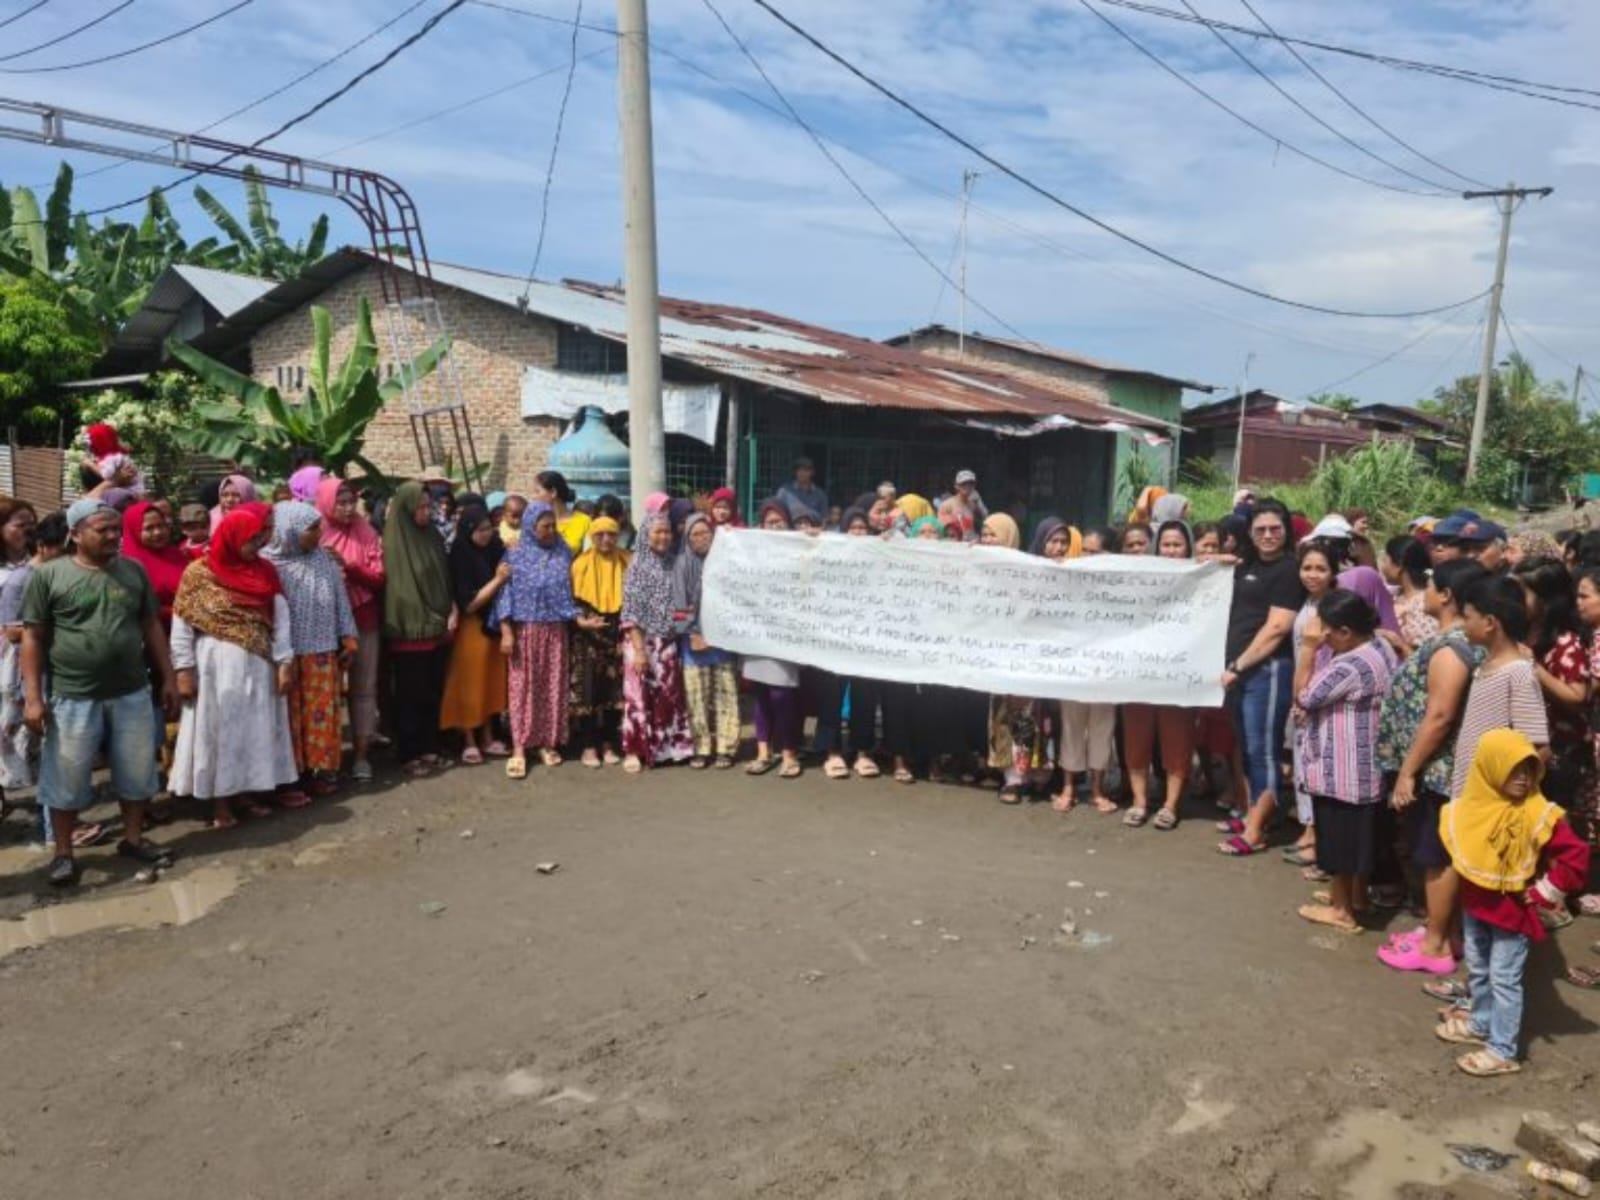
[313,585]
[647,587]
[540,587]
[416,594]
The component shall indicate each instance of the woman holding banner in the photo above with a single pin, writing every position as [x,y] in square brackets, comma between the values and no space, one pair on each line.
[1266,596]
[1086,735]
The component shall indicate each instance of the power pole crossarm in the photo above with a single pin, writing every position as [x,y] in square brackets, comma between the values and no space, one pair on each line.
[1507,199]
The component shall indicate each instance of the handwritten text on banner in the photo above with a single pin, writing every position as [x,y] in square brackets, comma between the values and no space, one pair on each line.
[1102,629]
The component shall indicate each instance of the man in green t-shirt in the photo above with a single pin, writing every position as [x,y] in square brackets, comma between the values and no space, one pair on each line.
[92,618]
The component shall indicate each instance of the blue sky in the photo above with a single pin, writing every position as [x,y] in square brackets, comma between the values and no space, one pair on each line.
[751,213]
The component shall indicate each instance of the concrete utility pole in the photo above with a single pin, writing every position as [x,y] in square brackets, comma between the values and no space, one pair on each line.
[647,458]
[1507,200]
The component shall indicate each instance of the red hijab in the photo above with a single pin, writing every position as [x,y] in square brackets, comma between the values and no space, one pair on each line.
[164,566]
[254,583]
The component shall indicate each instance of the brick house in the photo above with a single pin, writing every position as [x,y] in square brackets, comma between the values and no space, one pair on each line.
[768,389]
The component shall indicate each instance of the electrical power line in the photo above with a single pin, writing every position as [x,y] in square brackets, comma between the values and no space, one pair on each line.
[1356,108]
[481,98]
[277,91]
[1444,364]
[555,149]
[427,27]
[1173,299]
[1507,83]
[851,180]
[1082,214]
[71,33]
[1387,358]
[1317,117]
[1529,334]
[132,50]
[1240,117]
[541,16]
[17,16]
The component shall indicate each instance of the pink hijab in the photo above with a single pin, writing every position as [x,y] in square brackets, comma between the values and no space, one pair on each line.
[357,543]
[247,495]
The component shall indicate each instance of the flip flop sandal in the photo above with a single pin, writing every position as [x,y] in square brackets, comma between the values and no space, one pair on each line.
[836,768]
[611,758]
[723,762]
[632,766]
[1445,989]
[697,763]
[791,771]
[904,776]
[760,766]
[85,836]
[1164,820]
[1584,977]
[230,823]
[1136,817]
[1457,1029]
[1313,913]
[1301,856]
[1063,803]
[1315,875]
[516,767]
[867,769]
[1231,825]
[472,757]
[497,750]
[591,760]
[1237,847]
[1483,1064]
[550,758]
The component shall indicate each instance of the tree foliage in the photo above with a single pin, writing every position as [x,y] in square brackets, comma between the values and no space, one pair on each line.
[150,421]
[257,242]
[1533,427]
[40,346]
[255,427]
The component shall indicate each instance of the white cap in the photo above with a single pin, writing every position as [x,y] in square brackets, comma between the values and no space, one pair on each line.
[965,477]
[1333,527]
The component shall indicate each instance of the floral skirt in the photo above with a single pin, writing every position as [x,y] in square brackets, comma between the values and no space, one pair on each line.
[655,718]
[594,668]
[539,685]
[314,713]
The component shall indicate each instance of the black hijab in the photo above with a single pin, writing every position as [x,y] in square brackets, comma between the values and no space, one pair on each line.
[472,566]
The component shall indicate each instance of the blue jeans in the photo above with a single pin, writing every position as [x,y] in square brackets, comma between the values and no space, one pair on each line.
[1259,704]
[72,738]
[1495,961]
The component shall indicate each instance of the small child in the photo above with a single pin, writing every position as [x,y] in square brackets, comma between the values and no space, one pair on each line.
[109,460]
[195,522]
[1517,857]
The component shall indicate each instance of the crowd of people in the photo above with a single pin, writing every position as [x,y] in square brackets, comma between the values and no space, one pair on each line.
[1424,714]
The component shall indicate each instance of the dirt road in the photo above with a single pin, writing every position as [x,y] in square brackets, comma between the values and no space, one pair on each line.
[729,988]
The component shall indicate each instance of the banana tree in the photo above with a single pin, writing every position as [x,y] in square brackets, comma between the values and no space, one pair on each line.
[260,249]
[256,427]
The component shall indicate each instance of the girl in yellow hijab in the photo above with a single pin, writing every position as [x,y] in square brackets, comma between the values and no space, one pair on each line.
[595,654]
[1502,833]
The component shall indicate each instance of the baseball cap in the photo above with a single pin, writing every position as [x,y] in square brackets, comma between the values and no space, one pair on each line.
[1450,529]
[82,510]
[1332,527]
[965,477]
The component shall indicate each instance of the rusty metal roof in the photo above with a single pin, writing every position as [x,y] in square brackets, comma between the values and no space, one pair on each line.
[1050,353]
[760,348]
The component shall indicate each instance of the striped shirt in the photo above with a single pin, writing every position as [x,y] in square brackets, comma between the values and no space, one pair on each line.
[1338,741]
[1505,697]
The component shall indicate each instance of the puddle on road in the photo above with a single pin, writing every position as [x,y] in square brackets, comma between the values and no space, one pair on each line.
[1378,1153]
[143,906]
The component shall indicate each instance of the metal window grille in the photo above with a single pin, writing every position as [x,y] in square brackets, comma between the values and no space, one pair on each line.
[586,353]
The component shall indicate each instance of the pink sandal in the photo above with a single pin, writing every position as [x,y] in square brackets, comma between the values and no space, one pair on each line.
[1408,956]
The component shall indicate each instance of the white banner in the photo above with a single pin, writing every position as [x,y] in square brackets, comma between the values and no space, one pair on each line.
[1102,629]
[687,408]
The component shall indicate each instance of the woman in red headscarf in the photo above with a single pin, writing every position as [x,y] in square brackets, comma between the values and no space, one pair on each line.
[147,540]
[234,658]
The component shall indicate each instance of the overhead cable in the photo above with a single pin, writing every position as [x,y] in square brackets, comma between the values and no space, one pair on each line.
[300,118]
[1082,214]
[1317,117]
[1356,108]
[71,33]
[1244,120]
[1554,92]
[555,149]
[1387,358]
[132,50]
[860,191]
[17,16]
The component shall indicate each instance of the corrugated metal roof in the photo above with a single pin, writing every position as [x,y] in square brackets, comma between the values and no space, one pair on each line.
[146,331]
[757,347]
[225,291]
[1049,352]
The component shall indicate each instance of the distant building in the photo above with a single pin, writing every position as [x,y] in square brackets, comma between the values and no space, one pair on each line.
[746,392]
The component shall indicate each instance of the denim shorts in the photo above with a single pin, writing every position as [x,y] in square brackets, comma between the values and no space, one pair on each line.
[1259,703]
[77,729]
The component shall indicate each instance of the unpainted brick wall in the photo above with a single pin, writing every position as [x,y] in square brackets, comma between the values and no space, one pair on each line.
[492,344]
